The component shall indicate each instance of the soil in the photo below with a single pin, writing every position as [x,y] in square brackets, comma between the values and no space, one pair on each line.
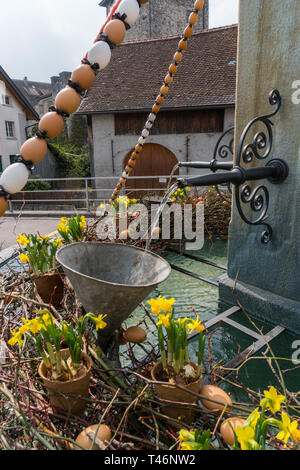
[65,376]
[170,376]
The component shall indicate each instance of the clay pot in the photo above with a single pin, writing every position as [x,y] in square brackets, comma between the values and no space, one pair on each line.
[3,206]
[34,150]
[67,100]
[84,75]
[116,31]
[50,288]
[78,388]
[52,123]
[168,392]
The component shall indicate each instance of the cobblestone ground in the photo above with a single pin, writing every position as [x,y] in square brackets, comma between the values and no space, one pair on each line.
[10,228]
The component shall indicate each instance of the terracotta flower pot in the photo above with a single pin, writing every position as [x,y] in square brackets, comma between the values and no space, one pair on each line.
[171,393]
[50,288]
[78,388]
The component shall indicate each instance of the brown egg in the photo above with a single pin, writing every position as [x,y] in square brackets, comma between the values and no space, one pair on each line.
[178,57]
[157,231]
[160,99]
[156,108]
[193,18]
[188,32]
[214,393]
[84,75]
[67,100]
[143,1]
[103,435]
[34,150]
[168,79]
[52,123]
[173,68]
[135,335]
[199,4]
[164,89]
[138,148]
[116,31]
[182,45]
[226,430]
[132,162]
[3,206]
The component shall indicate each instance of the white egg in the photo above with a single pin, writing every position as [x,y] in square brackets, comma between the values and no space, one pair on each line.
[145,133]
[100,53]
[131,9]
[14,178]
[141,140]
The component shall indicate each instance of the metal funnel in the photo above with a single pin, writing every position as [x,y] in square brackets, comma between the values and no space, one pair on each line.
[111,279]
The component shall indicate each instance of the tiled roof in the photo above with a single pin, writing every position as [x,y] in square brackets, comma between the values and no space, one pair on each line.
[206,77]
[34,91]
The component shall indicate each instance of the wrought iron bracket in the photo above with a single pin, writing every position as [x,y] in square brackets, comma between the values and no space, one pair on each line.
[250,149]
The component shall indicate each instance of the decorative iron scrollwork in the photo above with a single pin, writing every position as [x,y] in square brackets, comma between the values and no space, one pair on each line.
[259,148]
[223,151]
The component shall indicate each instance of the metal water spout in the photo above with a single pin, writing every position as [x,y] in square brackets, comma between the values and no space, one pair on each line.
[111,279]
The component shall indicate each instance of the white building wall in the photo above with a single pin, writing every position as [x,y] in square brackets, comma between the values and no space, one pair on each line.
[14,113]
[110,151]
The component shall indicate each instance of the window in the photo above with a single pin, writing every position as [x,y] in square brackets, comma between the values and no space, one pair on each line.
[9,125]
[12,159]
[1,167]
[6,100]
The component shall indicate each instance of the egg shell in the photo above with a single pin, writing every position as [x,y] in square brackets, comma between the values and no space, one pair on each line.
[178,57]
[3,206]
[34,150]
[67,100]
[226,430]
[52,123]
[84,75]
[135,335]
[214,393]
[116,31]
[199,4]
[193,18]
[156,231]
[103,435]
[14,178]
[100,53]
[131,9]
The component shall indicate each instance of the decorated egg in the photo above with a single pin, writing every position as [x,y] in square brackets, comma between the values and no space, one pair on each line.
[131,9]
[85,440]
[115,31]
[199,4]
[100,54]
[67,100]
[34,150]
[214,393]
[226,429]
[14,178]
[52,123]
[84,75]
[3,205]
[135,335]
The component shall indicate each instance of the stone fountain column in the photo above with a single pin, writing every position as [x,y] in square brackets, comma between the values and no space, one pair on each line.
[266,278]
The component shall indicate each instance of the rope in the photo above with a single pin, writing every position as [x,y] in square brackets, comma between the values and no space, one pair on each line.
[193,19]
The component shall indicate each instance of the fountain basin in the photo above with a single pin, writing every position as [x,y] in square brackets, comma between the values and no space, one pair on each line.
[111,279]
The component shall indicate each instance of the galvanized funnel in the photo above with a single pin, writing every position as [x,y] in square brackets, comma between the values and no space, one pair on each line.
[111,279]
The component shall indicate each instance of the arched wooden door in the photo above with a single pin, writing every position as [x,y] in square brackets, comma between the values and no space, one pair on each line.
[155,160]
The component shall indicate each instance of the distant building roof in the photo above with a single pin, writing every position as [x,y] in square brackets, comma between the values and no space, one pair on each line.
[31,114]
[34,91]
[206,77]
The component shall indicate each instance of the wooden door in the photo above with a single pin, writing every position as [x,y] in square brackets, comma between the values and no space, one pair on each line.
[155,160]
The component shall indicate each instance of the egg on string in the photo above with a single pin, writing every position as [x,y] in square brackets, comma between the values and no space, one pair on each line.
[100,53]
[14,178]
[84,75]
[145,133]
[149,124]
[141,140]
[131,9]
[115,31]
[52,123]
[34,150]
[67,100]
[3,205]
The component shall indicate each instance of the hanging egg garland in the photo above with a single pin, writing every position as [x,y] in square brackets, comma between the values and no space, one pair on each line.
[13,179]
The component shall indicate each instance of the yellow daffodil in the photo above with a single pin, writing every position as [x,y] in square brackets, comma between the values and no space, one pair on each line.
[25,327]
[24,258]
[161,305]
[64,220]
[58,242]
[253,418]
[164,320]
[100,324]
[196,325]
[35,326]
[187,446]
[44,238]
[274,400]
[244,436]
[17,337]
[63,228]
[186,436]
[23,241]
[134,201]
[289,430]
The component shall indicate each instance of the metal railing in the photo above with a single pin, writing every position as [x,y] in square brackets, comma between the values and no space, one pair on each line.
[87,192]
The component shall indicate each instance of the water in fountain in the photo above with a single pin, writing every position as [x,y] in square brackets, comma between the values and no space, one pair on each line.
[159,212]
[172,175]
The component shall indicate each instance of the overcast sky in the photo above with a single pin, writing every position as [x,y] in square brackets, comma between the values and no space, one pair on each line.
[40,38]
